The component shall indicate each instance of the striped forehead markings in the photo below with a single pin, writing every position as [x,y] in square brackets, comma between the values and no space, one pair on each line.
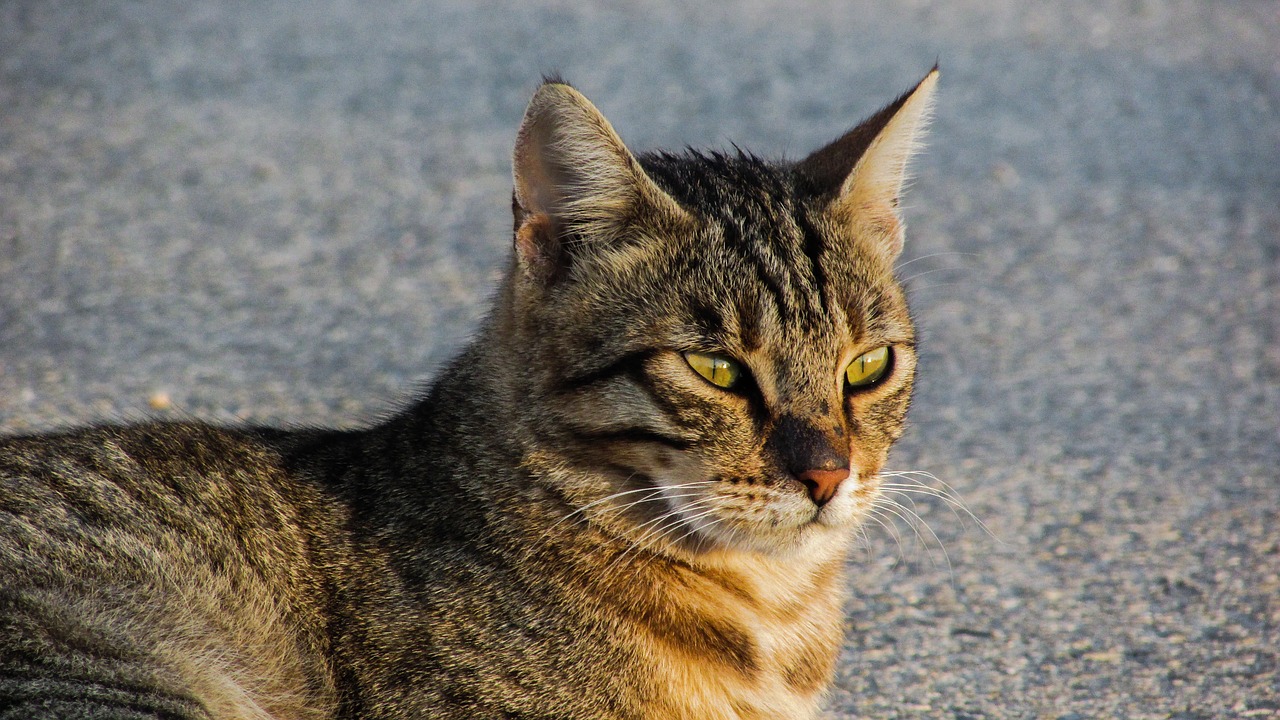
[790,267]
[769,270]
[813,246]
[762,221]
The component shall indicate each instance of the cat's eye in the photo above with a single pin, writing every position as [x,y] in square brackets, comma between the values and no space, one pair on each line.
[867,369]
[717,369]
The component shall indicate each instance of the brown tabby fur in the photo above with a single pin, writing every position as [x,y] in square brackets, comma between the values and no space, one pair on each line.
[572,523]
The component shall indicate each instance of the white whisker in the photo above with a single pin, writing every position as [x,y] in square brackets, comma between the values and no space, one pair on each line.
[952,504]
[654,556]
[934,255]
[908,516]
[653,530]
[934,286]
[656,490]
[930,272]
[864,540]
[892,510]
[946,492]
[890,527]
[684,521]
[693,526]
[658,496]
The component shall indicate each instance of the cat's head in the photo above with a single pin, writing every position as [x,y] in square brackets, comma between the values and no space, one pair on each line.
[716,350]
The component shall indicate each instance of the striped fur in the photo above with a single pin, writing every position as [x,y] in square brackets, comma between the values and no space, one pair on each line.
[571,524]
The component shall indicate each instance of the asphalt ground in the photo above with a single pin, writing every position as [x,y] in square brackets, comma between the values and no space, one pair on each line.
[293,212]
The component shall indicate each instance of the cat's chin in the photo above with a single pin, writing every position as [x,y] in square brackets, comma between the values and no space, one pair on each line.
[778,543]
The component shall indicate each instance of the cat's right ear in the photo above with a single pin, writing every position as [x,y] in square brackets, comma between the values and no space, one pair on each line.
[574,178]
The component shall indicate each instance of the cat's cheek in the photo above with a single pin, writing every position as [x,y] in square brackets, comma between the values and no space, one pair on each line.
[741,515]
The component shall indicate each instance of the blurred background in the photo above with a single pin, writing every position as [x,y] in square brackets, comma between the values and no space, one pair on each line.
[294,212]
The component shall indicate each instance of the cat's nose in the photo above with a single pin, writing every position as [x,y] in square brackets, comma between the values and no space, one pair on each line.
[813,457]
[822,484]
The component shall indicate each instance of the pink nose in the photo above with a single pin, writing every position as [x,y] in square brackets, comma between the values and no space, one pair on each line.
[823,484]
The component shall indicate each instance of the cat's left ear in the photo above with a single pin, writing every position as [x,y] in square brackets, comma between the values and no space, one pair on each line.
[862,174]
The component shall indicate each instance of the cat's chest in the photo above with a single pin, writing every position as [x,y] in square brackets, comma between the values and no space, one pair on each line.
[760,644]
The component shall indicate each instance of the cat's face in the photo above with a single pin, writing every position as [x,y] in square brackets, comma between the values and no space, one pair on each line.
[723,348]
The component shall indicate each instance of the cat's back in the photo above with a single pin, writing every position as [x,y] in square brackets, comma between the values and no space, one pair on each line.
[113,499]
[161,569]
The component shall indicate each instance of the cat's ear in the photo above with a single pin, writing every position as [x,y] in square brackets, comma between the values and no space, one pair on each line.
[575,178]
[862,173]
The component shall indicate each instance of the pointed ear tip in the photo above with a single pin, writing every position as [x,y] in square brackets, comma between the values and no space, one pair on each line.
[929,81]
[553,89]
[554,100]
[923,98]
[555,86]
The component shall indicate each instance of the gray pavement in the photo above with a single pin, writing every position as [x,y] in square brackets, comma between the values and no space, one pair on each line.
[292,212]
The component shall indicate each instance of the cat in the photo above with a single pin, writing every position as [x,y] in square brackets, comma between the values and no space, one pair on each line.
[631,496]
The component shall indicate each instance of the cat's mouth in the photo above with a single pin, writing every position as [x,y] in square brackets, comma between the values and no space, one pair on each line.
[766,515]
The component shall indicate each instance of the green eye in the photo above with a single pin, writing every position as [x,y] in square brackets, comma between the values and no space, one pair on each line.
[868,368]
[717,369]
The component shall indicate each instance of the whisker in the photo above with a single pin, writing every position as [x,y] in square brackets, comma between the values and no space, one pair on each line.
[656,530]
[653,493]
[908,515]
[656,490]
[691,521]
[922,288]
[923,273]
[684,521]
[694,527]
[947,493]
[652,498]
[893,510]
[912,475]
[934,255]
[654,556]
[914,510]
[702,541]
[863,540]
[905,496]
[952,504]
[890,527]
[656,522]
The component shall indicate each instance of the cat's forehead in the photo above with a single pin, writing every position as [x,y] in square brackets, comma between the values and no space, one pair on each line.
[782,268]
[737,188]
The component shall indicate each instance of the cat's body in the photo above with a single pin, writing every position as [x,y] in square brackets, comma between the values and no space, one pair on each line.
[582,519]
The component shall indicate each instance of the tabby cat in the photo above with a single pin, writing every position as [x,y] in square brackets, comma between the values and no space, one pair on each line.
[630,497]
